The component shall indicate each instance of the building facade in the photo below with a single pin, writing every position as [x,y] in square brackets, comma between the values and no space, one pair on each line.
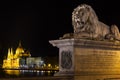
[21,59]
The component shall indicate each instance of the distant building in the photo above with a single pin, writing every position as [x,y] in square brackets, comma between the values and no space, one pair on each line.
[21,59]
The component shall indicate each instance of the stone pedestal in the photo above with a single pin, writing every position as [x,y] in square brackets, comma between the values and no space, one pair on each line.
[88,59]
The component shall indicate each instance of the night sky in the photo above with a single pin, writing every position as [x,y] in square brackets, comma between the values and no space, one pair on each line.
[35,23]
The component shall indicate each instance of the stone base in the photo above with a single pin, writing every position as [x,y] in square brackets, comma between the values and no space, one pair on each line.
[88,59]
[88,77]
[98,77]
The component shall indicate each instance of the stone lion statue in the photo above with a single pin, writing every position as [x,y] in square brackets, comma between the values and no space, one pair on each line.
[86,25]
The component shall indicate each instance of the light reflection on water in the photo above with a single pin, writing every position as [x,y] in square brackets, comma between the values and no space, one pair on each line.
[26,73]
[12,72]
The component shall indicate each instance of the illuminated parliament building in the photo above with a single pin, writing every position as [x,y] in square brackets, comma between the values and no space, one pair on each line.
[21,59]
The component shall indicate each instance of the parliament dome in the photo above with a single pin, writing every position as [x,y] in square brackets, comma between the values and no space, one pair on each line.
[19,49]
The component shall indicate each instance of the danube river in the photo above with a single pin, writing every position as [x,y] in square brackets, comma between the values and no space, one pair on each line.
[25,73]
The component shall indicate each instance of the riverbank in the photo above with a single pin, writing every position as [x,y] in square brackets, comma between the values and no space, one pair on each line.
[40,69]
[40,78]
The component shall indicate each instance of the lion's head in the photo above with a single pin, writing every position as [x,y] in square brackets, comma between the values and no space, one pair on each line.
[82,17]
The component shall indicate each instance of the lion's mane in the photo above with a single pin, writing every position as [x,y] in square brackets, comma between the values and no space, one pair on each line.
[85,21]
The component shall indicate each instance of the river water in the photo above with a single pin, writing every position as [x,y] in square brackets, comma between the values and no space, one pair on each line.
[25,73]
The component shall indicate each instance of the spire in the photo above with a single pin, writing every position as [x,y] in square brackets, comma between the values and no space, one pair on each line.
[8,57]
[20,44]
[11,53]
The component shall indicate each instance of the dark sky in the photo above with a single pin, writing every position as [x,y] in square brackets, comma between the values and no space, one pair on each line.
[35,23]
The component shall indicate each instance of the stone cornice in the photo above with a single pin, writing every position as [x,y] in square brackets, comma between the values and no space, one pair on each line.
[86,43]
